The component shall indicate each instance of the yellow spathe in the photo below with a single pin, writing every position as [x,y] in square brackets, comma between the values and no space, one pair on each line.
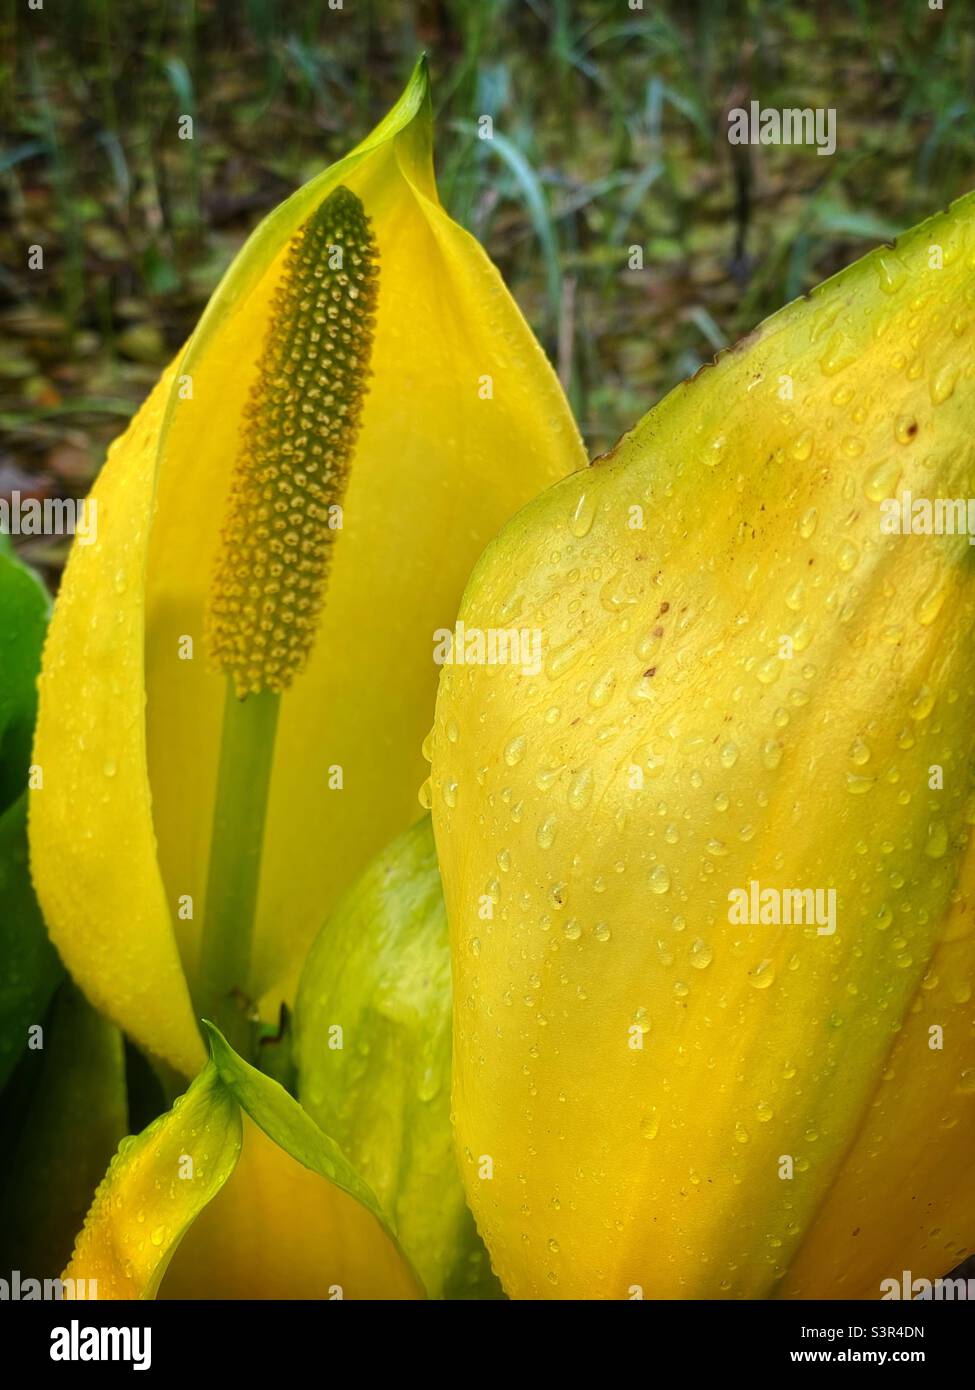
[155,1188]
[464,421]
[278,1230]
[746,679]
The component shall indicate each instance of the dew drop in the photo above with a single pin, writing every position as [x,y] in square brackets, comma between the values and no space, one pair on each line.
[580,790]
[701,954]
[808,522]
[515,750]
[943,383]
[880,483]
[859,752]
[715,451]
[650,1126]
[771,754]
[762,975]
[883,917]
[660,879]
[931,604]
[795,595]
[937,842]
[580,523]
[729,755]
[602,689]
[922,704]
[847,556]
[892,271]
[545,834]
[856,785]
[905,429]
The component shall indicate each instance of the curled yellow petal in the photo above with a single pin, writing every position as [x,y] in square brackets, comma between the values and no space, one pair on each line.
[296,1220]
[155,1188]
[93,846]
[278,1230]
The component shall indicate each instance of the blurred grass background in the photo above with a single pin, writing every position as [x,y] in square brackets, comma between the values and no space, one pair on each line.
[610,132]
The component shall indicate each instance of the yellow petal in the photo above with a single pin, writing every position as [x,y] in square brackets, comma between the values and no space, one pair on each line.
[278,1230]
[93,848]
[296,1220]
[291,1218]
[746,680]
[438,467]
[875,1224]
[156,1186]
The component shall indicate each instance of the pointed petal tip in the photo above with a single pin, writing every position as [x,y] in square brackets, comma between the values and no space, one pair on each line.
[217,1046]
[414,101]
[420,75]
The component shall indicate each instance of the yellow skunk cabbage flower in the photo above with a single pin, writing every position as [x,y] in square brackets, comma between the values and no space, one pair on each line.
[239,670]
[707,862]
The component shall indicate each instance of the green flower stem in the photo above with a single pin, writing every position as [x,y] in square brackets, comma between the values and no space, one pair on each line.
[246,755]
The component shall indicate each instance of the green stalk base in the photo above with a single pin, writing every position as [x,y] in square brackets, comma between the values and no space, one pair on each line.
[236,844]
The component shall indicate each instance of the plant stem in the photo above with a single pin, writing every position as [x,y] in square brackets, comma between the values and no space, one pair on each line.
[246,755]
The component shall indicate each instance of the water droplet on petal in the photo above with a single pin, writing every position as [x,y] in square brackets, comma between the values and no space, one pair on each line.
[660,879]
[583,515]
[701,954]
[762,975]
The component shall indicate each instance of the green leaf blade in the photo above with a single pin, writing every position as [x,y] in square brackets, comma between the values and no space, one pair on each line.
[31,969]
[380,972]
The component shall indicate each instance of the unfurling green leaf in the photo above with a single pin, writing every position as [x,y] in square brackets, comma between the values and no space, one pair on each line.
[373,1027]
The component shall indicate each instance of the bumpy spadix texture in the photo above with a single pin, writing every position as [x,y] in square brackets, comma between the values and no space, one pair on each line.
[296,450]
[745,679]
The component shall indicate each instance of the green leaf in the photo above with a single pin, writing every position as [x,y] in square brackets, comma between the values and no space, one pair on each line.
[29,967]
[24,609]
[380,972]
[65,1115]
